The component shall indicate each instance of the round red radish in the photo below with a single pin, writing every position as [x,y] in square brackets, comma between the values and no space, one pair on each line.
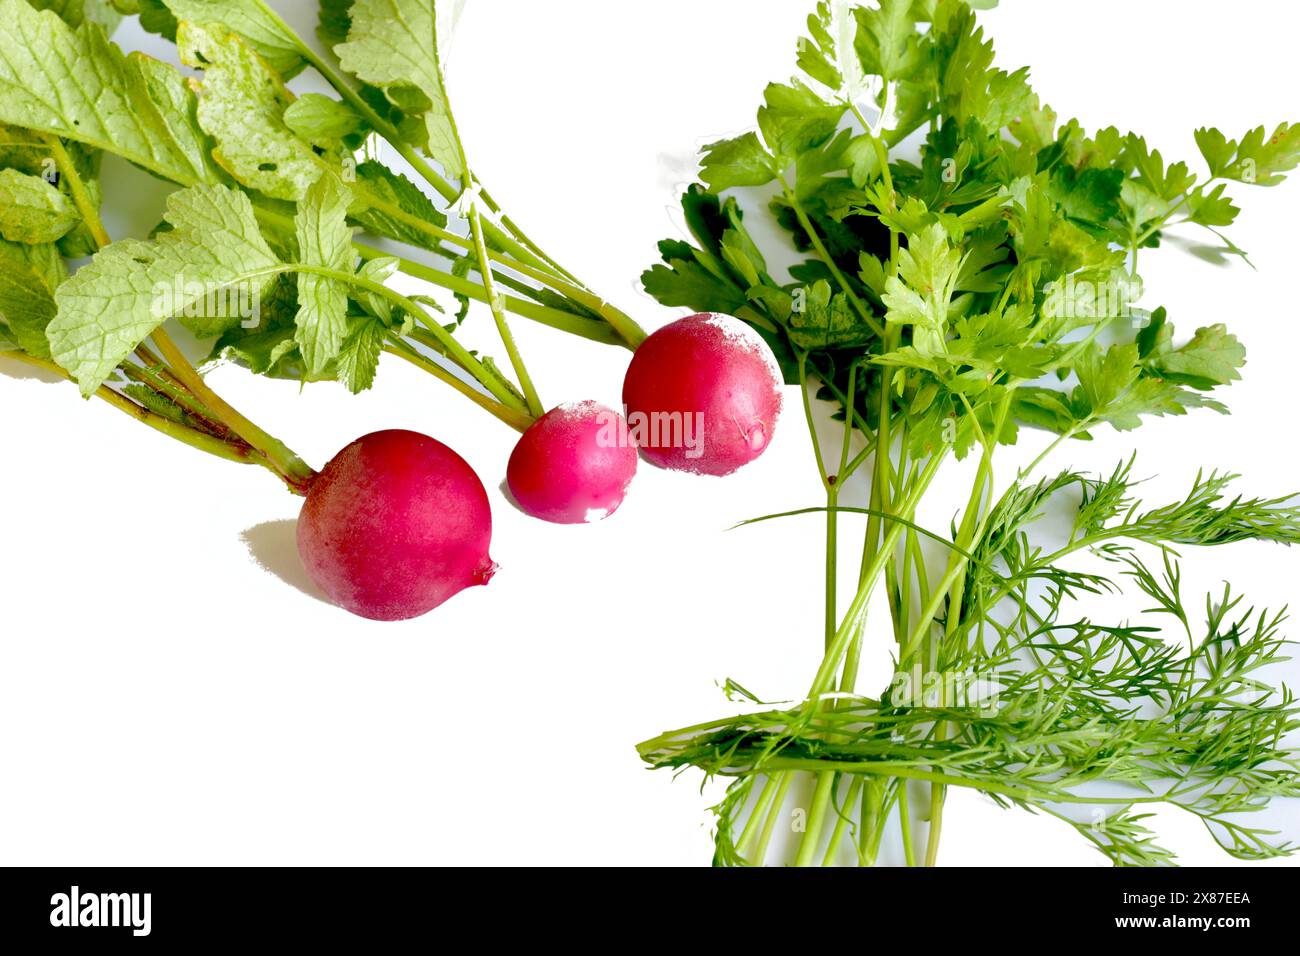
[573,465]
[703,395]
[396,524]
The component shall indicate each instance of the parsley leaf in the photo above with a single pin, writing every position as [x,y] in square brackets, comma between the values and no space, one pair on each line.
[920,294]
[1259,159]
[887,41]
[737,162]
[794,118]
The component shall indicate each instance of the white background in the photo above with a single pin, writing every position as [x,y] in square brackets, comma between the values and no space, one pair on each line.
[167,699]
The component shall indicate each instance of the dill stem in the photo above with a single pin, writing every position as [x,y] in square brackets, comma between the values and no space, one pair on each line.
[816,818]
[773,814]
[833,484]
[877,802]
[938,794]
[759,812]
[841,822]
[905,823]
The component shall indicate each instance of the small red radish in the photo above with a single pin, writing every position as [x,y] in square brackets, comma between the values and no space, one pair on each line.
[396,524]
[573,465]
[702,395]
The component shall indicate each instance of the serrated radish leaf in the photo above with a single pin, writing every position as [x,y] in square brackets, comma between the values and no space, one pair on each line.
[28,277]
[131,287]
[326,122]
[390,46]
[78,85]
[252,20]
[324,240]
[359,359]
[32,210]
[241,106]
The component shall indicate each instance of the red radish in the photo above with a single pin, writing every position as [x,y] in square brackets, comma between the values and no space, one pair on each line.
[703,395]
[396,524]
[573,465]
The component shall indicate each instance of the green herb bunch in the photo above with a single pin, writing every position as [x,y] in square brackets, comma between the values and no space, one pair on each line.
[270,188]
[968,268]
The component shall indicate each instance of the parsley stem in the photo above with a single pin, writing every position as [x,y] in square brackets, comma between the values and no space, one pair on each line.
[832,549]
[811,230]
[822,683]
[881,480]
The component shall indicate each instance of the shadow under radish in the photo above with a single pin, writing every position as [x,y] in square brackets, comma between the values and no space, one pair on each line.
[509,495]
[274,546]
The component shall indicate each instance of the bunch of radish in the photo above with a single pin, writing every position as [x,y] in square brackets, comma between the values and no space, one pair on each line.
[397,522]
